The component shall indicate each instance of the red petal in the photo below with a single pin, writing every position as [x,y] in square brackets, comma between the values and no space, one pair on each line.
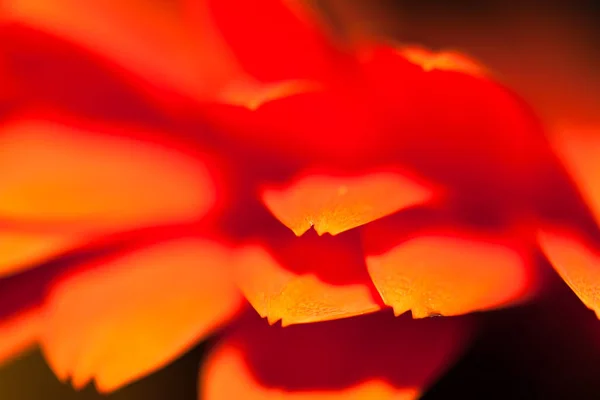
[120,320]
[369,357]
[334,204]
[433,266]
[94,180]
[273,40]
[306,279]
[442,120]
[147,38]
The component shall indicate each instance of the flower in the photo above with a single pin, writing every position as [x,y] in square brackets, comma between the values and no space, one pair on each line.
[136,191]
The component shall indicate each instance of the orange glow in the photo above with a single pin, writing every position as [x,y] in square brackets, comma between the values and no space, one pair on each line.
[332,360]
[119,320]
[577,262]
[307,279]
[579,150]
[446,60]
[333,204]
[24,250]
[93,181]
[446,271]
[147,38]
[18,333]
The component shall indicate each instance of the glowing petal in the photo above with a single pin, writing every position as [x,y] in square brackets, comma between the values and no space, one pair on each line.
[54,173]
[148,38]
[446,60]
[272,39]
[22,250]
[446,271]
[577,262]
[121,320]
[18,332]
[308,279]
[579,150]
[336,204]
[368,357]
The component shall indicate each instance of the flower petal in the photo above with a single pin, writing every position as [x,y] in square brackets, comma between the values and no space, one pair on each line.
[441,120]
[147,38]
[120,320]
[374,357]
[334,204]
[19,333]
[97,181]
[306,279]
[577,261]
[273,40]
[38,64]
[579,150]
[22,250]
[441,268]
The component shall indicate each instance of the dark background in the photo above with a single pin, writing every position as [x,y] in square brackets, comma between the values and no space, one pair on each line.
[546,350]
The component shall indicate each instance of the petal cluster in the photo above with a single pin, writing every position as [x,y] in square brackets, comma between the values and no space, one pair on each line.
[161,172]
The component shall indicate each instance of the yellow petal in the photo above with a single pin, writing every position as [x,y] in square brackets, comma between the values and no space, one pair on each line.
[97,181]
[119,320]
[334,204]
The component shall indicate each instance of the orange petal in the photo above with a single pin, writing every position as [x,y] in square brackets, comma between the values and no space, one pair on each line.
[576,261]
[92,180]
[125,318]
[334,204]
[579,150]
[148,38]
[18,333]
[307,279]
[22,250]
[367,357]
[273,40]
[445,60]
[441,270]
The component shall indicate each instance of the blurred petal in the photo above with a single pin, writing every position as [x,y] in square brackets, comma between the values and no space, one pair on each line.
[120,320]
[273,40]
[18,333]
[38,64]
[147,38]
[306,279]
[368,357]
[96,181]
[576,261]
[445,60]
[445,269]
[334,204]
[442,116]
[579,150]
[20,250]
[297,120]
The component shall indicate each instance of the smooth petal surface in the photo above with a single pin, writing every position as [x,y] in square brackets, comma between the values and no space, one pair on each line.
[577,261]
[579,150]
[334,204]
[273,40]
[445,269]
[121,319]
[18,333]
[21,250]
[147,38]
[97,181]
[367,357]
[306,279]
